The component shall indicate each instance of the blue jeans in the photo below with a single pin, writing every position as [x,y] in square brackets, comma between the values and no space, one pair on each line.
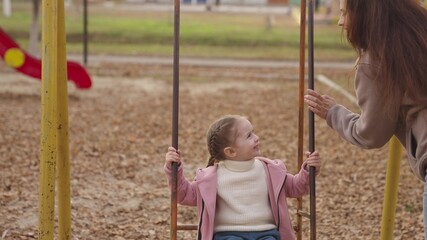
[235,235]
[425,208]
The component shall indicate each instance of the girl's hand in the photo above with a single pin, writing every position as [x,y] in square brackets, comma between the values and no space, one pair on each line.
[319,104]
[173,155]
[313,160]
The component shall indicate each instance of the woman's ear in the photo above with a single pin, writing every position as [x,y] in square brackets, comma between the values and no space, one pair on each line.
[229,152]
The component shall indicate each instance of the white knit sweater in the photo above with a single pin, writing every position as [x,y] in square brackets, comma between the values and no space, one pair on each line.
[242,200]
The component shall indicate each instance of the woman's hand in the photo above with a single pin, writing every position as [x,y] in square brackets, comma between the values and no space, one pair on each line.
[313,160]
[319,104]
[173,155]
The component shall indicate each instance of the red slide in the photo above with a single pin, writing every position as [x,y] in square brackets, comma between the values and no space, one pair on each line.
[17,58]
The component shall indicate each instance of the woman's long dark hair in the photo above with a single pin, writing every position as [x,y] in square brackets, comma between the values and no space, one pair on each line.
[394,33]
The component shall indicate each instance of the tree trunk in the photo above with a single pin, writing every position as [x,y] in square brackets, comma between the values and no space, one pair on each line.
[34,31]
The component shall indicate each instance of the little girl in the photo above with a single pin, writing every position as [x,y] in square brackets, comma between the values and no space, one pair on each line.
[240,195]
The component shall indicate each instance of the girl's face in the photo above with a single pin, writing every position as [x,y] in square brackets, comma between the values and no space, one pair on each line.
[246,145]
[343,21]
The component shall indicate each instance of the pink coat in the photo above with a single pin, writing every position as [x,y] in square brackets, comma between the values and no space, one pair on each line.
[202,193]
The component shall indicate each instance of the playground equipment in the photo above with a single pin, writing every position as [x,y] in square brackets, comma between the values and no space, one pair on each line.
[300,153]
[175,111]
[54,149]
[390,191]
[311,143]
[395,148]
[17,58]
[54,138]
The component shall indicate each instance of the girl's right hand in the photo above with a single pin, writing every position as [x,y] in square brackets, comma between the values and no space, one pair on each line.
[173,155]
[313,160]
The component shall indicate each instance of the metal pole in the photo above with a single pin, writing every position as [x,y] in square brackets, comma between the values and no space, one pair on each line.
[391,188]
[175,112]
[311,120]
[85,32]
[54,149]
[63,154]
[301,108]
[48,148]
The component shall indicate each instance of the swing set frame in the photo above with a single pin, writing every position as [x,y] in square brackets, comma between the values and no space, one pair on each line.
[174,227]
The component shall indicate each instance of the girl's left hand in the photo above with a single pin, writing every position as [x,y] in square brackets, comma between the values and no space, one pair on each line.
[313,160]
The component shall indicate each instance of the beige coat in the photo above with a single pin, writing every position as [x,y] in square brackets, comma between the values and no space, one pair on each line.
[375,125]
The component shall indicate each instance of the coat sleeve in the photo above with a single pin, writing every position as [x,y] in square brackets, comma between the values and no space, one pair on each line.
[374,126]
[297,185]
[187,191]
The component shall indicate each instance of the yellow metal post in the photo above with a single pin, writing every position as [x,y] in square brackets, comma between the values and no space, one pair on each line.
[54,124]
[63,163]
[391,187]
[48,149]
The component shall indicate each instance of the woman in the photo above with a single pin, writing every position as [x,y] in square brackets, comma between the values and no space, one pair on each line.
[390,37]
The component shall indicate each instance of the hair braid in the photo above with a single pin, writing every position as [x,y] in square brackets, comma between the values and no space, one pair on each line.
[219,137]
[212,147]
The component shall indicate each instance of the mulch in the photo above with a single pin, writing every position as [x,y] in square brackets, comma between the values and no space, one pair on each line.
[120,130]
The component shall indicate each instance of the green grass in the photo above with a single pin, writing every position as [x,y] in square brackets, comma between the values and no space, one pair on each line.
[240,36]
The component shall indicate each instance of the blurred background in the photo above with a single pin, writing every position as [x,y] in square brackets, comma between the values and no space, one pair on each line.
[233,29]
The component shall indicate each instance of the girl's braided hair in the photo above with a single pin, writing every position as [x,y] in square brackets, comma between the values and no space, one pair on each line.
[220,136]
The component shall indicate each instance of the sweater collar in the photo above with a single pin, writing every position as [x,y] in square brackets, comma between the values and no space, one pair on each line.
[238,166]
